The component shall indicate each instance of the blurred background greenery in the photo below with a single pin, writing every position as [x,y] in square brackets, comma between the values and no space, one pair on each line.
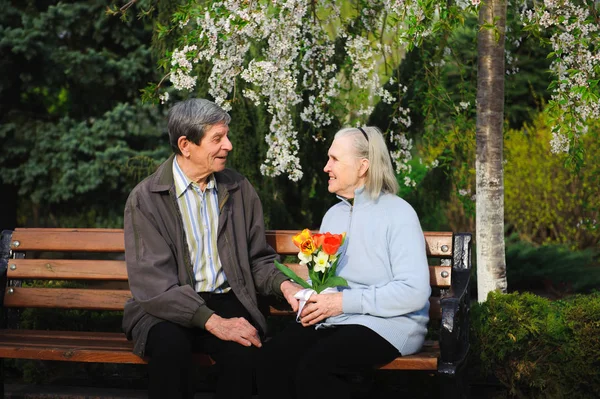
[76,138]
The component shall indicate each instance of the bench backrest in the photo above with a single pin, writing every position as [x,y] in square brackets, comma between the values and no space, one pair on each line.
[94,259]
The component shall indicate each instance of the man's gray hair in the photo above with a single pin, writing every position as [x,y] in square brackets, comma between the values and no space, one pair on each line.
[192,118]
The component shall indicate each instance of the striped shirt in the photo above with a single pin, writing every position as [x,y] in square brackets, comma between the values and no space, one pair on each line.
[200,214]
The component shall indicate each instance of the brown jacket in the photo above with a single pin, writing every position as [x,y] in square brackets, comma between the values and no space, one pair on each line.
[158,262]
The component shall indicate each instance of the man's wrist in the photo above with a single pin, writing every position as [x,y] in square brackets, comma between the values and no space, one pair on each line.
[278,282]
[287,282]
[211,322]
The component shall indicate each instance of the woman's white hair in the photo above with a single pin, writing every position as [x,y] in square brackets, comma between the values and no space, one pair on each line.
[368,142]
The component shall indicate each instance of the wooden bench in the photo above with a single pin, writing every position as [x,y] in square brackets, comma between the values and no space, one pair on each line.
[93,261]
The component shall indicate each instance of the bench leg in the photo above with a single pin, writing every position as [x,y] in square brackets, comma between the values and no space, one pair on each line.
[1,378]
[454,387]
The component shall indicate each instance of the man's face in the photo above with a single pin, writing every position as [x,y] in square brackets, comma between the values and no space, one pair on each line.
[211,154]
[343,168]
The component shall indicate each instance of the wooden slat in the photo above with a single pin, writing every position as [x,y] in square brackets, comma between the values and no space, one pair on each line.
[439,244]
[68,240]
[111,240]
[427,359]
[114,348]
[116,270]
[73,346]
[61,269]
[281,241]
[436,278]
[66,298]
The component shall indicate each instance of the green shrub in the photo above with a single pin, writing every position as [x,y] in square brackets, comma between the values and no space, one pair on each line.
[545,201]
[554,268]
[538,348]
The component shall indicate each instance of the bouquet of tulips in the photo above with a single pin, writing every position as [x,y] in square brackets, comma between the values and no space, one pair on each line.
[319,253]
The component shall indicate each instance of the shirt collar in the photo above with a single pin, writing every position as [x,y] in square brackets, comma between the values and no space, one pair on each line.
[182,182]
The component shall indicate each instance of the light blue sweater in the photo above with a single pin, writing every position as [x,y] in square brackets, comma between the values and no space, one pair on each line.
[385,263]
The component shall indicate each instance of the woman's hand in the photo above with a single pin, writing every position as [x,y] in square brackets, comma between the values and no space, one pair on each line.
[321,306]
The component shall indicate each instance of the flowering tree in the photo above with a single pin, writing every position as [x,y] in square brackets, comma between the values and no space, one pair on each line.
[335,60]
[575,43]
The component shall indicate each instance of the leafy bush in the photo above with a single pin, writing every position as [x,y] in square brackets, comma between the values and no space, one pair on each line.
[538,348]
[545,201]
[554,268]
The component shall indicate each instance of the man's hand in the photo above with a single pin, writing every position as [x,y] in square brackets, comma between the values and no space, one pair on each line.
[289,289]
[321,306]
[236,329]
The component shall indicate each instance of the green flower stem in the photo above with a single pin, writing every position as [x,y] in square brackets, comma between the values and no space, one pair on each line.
[291,275]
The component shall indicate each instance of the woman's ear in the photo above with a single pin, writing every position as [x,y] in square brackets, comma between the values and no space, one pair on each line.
[364,167]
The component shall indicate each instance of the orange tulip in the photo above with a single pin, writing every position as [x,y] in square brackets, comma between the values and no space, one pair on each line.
[331,243]
[318,240]
[304,242]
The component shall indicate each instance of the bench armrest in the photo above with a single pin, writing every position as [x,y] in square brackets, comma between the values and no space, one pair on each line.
[455,305]
[5,239]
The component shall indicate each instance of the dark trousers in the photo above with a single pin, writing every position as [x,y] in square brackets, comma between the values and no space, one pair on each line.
[302,362]
[170,347]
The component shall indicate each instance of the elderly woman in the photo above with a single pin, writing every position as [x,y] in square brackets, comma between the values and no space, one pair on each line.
[383,313]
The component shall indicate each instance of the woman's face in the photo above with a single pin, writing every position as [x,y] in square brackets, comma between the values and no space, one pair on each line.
[346,171]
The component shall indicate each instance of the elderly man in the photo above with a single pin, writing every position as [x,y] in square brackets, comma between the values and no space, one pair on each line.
[197,258]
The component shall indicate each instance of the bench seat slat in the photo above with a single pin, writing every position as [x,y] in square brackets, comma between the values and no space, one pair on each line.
[66,298]
[67,346]
[426,359]
[59,334]
[66,269]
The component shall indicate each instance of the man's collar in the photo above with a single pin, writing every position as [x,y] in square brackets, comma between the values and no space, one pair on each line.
[182,182]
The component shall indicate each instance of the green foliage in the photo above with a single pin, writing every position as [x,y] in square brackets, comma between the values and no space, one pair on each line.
[553,268]
[545,201]
[428,197]
[537,348]
[75,136]
[88,165]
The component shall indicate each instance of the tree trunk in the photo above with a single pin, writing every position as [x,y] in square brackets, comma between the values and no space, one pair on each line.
[491,261]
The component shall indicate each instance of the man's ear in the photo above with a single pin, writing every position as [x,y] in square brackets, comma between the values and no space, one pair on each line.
[184,146]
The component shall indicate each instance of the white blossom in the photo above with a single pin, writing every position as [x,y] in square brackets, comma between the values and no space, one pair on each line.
[285,53]
[164,97]
[575,41]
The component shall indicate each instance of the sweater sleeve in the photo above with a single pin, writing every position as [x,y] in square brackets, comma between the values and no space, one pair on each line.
[408,290]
